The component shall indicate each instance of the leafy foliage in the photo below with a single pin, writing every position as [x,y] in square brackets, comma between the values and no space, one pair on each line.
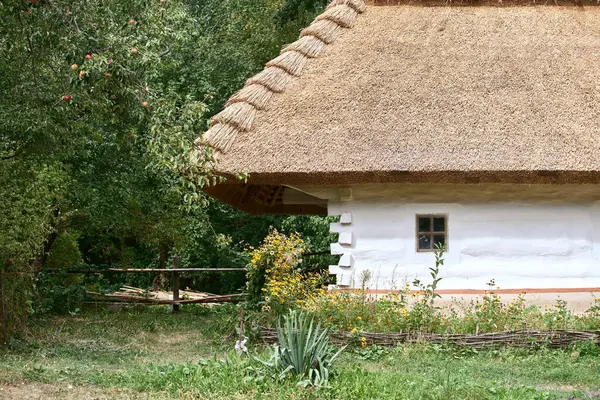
[277,256]
[276,279]
[411,309]
[303,350]
[64,253]
[304,8]
[428,290]
[126,355]
[102,102]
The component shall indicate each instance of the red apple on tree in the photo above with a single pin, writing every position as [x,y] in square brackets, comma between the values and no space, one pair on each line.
[134,51]
[132,21]
[88,57]
[67,98]
[144,104]
[110,61]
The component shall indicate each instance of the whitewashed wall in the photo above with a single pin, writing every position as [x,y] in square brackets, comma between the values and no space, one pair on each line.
[518,245]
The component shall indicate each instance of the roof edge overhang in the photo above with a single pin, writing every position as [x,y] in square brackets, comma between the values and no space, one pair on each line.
[361,177]
[262,193]
[243,196]
[486,3]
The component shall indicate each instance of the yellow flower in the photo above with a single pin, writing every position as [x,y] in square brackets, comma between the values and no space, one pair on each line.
[359,318]
[363,341]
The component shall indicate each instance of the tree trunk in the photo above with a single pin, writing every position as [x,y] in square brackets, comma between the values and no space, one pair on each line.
[40,262]
[161,282]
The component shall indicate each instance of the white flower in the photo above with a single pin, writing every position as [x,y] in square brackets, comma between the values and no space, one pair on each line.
[240,347]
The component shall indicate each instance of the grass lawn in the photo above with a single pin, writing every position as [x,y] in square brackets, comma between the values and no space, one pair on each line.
[155,355]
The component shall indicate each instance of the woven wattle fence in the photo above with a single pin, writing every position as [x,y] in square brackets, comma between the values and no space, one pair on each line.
[519,338]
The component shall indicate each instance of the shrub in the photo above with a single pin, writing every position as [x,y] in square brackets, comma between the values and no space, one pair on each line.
[291,291]
[60,292]
[275,281]
[414,311]
[64,252]
[357,311]
[303,350]
[277,255]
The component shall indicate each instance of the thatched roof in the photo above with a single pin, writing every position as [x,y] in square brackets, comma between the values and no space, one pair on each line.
[402,93]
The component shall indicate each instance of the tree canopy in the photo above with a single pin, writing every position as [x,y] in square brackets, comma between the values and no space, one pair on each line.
[102,102]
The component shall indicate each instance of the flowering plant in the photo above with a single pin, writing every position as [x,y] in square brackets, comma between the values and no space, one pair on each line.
[275,281]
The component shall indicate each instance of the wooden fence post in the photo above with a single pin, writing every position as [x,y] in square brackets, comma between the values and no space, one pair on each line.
[175,284]
[242,324]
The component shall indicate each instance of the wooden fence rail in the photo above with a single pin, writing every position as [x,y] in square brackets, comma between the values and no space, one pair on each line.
[562,338]
[175,271]
[159,270]
[229,298]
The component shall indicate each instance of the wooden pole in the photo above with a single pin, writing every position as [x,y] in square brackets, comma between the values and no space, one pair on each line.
[151,270]
[175,284]
[242,324]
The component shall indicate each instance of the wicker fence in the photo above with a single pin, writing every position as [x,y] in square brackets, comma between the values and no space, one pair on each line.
[519,338]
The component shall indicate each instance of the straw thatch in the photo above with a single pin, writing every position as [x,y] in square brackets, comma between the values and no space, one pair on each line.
[357,5]
[342,15]
[436,93]
[310,46]
[240,110]
[324,29]
[290,61]
[239,114]
[221,136]
[255,94]
[493,3]
[273,78]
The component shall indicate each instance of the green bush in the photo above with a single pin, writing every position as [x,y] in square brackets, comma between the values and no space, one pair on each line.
[59,293]
[409,310]
[303,350]
[64,252]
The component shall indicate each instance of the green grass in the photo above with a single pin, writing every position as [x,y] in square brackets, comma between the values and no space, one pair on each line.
[153,354]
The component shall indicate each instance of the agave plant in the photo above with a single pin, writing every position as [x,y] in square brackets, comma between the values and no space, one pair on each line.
[303,350]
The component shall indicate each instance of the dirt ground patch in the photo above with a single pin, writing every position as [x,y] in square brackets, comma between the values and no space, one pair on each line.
[177,347]
[43,391]
[569,388]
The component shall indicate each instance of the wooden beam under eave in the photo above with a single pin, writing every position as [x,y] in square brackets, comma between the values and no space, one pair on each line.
[235,195]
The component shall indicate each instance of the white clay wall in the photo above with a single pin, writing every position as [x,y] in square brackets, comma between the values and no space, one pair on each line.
[517,245]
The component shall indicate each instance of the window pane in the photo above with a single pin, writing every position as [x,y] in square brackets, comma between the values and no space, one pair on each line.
[424,242]
[439,224]
[424,224]
[439,239]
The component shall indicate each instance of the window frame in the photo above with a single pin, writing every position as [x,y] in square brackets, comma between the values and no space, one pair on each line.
[431,232]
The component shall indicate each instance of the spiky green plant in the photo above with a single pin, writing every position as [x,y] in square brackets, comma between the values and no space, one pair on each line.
[303,350]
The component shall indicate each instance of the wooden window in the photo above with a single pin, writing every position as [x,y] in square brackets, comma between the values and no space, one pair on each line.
[432,229]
